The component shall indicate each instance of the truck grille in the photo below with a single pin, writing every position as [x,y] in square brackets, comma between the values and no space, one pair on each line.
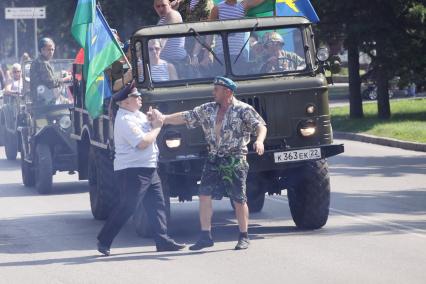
[258,105]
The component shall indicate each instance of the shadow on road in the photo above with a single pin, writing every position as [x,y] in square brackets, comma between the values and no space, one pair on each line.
[6,165]
[386,166]
[401,202]
[59,188]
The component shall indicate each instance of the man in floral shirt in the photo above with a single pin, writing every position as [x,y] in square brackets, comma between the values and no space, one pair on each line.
[227,124]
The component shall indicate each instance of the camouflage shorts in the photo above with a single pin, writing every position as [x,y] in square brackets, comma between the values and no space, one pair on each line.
[225,176]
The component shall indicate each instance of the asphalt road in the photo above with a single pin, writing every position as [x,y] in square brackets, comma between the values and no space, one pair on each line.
[376,232]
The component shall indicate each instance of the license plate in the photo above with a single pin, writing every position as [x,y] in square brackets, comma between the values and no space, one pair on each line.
[297,155]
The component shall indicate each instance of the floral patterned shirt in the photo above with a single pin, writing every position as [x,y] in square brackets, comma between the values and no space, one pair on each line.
[240,121]
[200,11]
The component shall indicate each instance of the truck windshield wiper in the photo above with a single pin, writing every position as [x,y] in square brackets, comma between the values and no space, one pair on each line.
[203,44]
[244,46]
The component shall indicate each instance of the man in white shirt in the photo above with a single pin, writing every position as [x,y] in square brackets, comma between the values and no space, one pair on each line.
[14,87]
[135,170]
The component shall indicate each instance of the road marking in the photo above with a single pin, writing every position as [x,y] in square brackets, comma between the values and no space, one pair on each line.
[366,219]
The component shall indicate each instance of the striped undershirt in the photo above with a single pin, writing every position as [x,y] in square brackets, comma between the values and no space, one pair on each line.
[174,48]
[236,40]
[192,4]
[160,72]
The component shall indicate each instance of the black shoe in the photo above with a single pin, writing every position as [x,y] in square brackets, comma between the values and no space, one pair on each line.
[103,249]
[170,245]
[243,243]
[202,243]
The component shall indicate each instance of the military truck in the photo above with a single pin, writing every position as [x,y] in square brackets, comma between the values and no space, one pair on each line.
[10,119]
[289,91]
[44,131]
[2,120]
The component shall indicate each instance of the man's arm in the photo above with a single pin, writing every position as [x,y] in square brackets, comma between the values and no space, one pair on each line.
[172,72]
[174,118]
[120,83]
[261,136]
[149,138]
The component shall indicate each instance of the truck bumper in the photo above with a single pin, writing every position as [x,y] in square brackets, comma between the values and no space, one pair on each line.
[193,166]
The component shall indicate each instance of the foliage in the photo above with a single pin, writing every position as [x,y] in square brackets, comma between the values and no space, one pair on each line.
[408,121]
[125,16]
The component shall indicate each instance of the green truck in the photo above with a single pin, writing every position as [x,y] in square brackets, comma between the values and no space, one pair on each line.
[286,85]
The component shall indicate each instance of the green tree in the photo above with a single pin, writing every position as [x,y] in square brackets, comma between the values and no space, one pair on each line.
[393,29]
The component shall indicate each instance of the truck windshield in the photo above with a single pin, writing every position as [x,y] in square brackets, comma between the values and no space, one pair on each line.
[182,58]
[268,52]
[202,56]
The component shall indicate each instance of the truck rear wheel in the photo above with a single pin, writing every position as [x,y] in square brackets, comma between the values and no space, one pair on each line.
[140,217]
[309,195]
[43,169]
[2,132]
[11,146]
[103,194]
[27,172]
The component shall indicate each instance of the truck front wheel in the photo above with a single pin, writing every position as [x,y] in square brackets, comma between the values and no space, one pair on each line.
[43,169]
[27,172]
[309,195]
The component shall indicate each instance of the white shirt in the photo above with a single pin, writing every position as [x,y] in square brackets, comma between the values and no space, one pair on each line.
[129,130]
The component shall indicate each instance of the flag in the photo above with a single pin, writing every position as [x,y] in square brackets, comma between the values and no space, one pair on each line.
[101,49]
[266,9]
[285,8]
[296,8]
[84,15]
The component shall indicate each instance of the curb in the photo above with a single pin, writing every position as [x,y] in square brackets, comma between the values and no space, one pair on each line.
[390,142]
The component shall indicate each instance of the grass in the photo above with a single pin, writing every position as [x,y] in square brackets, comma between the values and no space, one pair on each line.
[408,121]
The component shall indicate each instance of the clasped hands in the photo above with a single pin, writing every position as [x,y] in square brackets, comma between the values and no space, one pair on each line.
[155,117]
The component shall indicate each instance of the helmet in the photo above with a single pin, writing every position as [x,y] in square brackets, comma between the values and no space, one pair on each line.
[268,38]
[43,41]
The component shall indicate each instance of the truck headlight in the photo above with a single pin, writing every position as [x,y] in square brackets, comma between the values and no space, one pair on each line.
[65,122]
[323,54]
[173,139]
[307,128]
[173,143]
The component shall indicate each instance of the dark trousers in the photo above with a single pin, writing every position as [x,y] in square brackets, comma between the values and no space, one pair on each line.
[137,184]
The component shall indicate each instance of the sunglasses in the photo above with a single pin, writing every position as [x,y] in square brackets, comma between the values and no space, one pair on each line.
[154,48]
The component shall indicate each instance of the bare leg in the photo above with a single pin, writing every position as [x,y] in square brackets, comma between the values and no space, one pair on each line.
[242,214]
[206,212]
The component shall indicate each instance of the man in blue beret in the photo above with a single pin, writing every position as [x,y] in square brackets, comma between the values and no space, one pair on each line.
[227,124]
[135,170]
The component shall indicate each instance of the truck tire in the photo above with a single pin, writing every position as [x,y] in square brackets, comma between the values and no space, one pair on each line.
[11,146]
[103,194]
[309,195]
[27,172]
[140,217]
[2,133]
[43,169]
[91,167]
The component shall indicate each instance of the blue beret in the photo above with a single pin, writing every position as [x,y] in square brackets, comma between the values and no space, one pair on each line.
[226,82]
[127,91]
